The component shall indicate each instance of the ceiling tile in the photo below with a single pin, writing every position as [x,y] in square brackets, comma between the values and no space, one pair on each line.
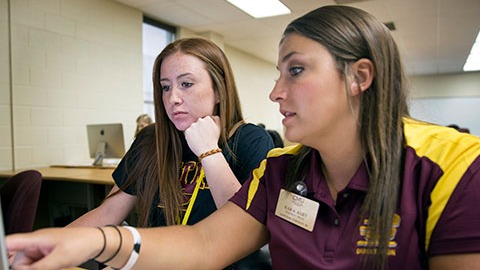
[432,35]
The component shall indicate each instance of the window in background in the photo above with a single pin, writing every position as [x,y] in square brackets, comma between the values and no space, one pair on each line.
[155,36]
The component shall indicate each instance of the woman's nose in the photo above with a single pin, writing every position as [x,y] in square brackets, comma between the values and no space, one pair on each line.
[175,96]
[278,92]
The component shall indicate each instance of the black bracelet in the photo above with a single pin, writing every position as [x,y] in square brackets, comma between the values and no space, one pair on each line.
[104,243]
[119,246]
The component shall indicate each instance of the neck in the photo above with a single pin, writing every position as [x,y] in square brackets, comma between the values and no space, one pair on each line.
[340,164]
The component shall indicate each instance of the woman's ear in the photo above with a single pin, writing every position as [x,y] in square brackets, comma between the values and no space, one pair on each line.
[363,73]
[217,97]
[216,107]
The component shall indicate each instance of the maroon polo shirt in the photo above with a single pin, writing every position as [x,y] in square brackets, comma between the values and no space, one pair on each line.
[437,214]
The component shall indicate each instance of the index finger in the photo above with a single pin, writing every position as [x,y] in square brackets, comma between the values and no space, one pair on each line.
[216,119]
[19,241]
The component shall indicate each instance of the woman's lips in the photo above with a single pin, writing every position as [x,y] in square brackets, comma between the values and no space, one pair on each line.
[287,116]
[177,115]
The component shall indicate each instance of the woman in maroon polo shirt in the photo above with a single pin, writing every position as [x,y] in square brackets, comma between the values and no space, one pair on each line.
[366,187]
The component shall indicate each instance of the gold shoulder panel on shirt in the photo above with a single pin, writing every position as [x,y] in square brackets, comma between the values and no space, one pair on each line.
[289,150]
[452,151]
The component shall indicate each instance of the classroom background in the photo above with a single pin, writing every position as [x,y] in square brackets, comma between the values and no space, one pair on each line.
[68,63]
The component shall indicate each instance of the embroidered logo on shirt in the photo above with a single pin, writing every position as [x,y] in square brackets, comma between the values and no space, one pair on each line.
[362,245]
[190,174]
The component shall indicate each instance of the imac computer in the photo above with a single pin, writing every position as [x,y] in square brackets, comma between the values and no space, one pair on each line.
[105,141]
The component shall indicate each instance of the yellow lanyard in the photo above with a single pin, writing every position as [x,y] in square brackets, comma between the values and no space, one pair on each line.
[194,197]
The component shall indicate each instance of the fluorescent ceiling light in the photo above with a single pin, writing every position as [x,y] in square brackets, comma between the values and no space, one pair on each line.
[473,60]
[261,8]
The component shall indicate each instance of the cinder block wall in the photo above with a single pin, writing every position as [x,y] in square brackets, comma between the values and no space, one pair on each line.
[73,62]
[6,161]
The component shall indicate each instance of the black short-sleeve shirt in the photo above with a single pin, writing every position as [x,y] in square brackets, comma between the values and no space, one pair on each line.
[250,144]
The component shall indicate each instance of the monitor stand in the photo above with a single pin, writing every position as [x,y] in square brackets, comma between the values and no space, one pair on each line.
[99,154]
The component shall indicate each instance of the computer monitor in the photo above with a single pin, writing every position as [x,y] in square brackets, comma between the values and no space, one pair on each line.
[105,141]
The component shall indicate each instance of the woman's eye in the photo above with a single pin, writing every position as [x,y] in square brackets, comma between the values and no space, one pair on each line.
[186,84]
[165,88]
[294,71]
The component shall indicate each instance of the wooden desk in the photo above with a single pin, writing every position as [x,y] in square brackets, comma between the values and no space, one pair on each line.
[102,176]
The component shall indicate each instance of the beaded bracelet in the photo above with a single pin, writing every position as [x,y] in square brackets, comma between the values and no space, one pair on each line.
[137,243]
[209,153]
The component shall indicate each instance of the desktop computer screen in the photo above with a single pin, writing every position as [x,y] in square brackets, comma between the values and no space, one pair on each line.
[105,141]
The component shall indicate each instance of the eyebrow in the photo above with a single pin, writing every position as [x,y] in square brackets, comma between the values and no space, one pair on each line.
[178,77]
[286,57]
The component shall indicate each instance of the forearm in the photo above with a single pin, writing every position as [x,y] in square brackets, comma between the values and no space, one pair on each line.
[113,210]
[202,138]
[217,241]
[95,217]
[226,236]
[178,247]
[455,261]
[222,181]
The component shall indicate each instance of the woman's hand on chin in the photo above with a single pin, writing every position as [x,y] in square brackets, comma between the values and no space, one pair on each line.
[203,135]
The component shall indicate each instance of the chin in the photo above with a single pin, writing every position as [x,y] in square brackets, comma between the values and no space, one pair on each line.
[295,135]
[181,126]
[291,137]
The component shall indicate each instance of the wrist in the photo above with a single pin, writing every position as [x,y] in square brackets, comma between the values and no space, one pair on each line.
[115,252]
[209,153]
[112,243]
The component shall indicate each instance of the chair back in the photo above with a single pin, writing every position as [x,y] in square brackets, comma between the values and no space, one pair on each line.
[19,197]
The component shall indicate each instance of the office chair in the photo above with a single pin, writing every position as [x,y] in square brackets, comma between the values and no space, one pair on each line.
[19,197]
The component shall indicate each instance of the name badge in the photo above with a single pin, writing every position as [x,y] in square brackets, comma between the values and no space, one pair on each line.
[297,209]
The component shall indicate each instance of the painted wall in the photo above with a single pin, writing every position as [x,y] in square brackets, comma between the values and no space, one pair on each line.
[447,99]
[254,87]
[75,62]
[6,159]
